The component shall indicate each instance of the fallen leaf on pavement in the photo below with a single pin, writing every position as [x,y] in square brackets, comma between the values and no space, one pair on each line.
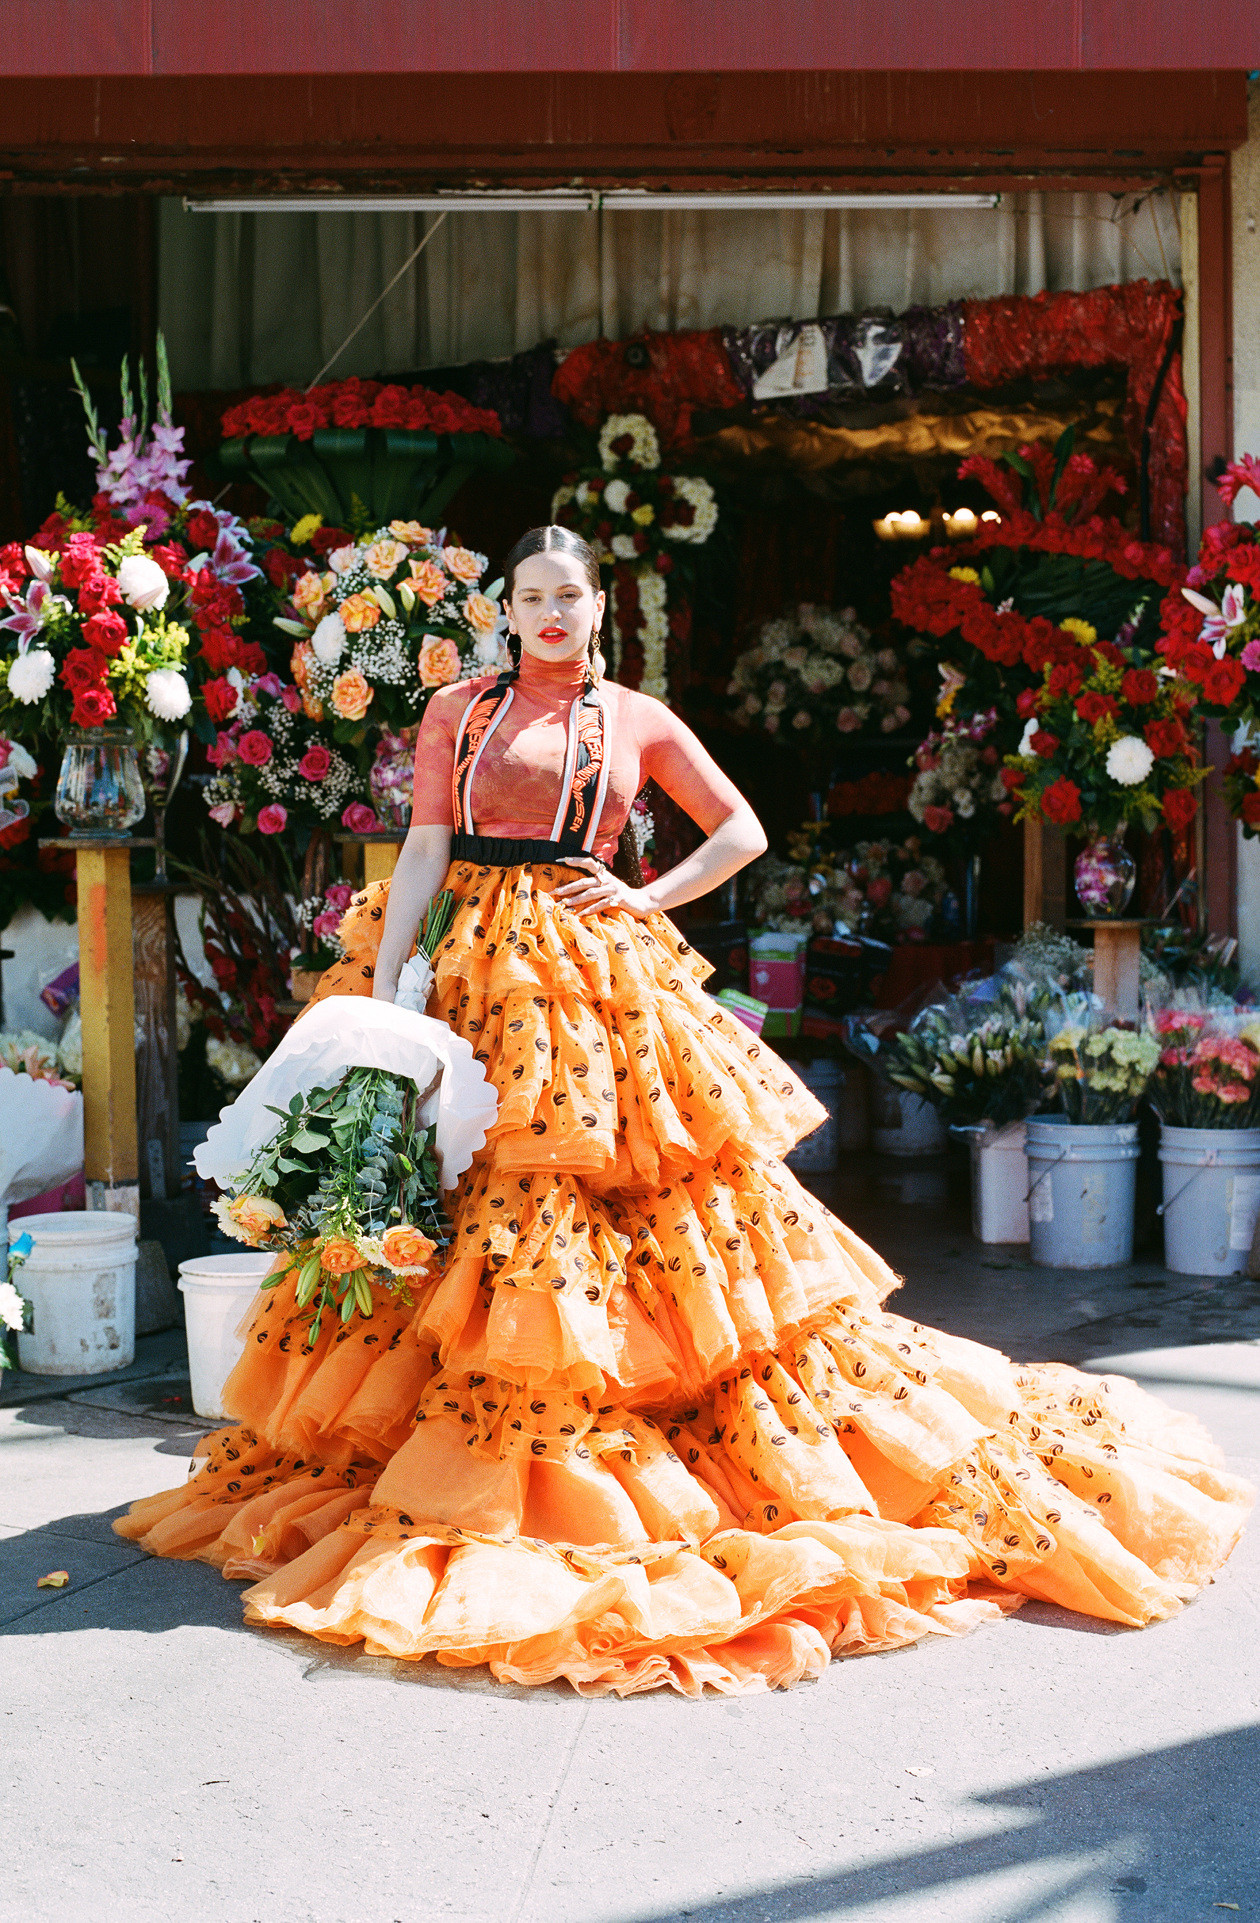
[57,1580]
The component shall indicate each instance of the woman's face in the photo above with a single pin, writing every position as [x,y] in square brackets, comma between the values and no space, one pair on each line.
[553,607]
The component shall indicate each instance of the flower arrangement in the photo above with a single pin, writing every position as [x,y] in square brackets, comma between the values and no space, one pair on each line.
[319,917]
[813,673]
[16,1312]
[643,826]
[348,1187]
[975,1061]
[375,631]
[1209,1068]
[1101,1072]
[887,890]
[1048,602]
[958,784]
[1106,742]
[644,523]
[357,403]
[27,1053]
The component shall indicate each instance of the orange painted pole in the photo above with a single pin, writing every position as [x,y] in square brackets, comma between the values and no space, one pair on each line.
[111,1164]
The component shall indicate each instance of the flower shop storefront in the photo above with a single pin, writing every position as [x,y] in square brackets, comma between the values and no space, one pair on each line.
[908,564]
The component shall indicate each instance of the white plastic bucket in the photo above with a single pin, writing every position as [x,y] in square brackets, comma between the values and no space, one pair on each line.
[217,1291]
[1081,1185]
[999,1184]
[904,1124]
[80,1278]
[1211,1198]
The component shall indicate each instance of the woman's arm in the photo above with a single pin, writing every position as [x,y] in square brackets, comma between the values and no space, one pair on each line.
[421,869]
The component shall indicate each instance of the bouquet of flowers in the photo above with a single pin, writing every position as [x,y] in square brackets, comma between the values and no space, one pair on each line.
[644,523]
[1106,742]
[887,890]
[1101,1072]
[375,631]
[319,917]
[16,1312]
[1209,1067]
[958,784]
[1051,601]
[812,673]
[348,1187]
[27,1053]
[976,1060]
[879,793]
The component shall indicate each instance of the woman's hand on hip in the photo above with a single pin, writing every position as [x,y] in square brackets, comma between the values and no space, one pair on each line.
[601,892]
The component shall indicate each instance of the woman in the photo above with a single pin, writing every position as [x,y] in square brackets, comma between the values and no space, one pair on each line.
[651,1425]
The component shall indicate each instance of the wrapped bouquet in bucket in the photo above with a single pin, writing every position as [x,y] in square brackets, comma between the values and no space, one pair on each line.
[1206,1092]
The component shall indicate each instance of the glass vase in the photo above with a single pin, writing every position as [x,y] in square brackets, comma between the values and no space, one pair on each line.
[1104,874]
[99,789]
[391,776]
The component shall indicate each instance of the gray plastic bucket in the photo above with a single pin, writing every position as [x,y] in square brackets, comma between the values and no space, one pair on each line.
[841,1088]
[1081,1182]
[1211,1198]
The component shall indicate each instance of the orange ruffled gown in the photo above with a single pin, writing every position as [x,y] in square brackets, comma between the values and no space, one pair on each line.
[653,1425]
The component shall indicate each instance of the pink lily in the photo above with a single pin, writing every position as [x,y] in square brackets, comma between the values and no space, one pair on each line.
[29,618]
[1219,621]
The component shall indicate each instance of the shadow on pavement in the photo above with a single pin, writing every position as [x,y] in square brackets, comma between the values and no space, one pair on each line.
[1166,1834]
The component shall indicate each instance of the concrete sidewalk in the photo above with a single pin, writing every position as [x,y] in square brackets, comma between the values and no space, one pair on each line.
[161,1761]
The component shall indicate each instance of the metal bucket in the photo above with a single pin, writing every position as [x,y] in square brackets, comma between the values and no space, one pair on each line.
[1081,1184]
[1211,1198]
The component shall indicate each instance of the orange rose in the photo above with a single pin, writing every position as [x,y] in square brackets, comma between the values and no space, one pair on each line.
[405,1248]
[438,662]
[383,557]
[412,533]
[351,694]
[257,1217]
[309,594]
[311,708]
[300,663]
[340,1257]
[480,613]
[359,611]
[427,583]
[462,564]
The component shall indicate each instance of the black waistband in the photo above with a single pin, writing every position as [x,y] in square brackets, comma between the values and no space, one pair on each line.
[497,851]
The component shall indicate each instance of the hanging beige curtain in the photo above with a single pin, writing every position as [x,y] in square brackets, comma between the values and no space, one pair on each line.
[249,298]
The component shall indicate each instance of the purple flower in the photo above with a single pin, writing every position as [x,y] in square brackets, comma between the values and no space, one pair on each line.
[29,618]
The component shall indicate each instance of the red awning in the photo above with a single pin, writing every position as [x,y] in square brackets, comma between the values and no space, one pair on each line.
[172,37]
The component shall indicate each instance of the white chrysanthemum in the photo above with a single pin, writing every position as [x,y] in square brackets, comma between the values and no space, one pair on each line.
[31,675]
[12,1307]
[644,450]
[143,583]
[617,494]
[168,694]
[623,547]
[1129,760]
[329,639]
[701,498]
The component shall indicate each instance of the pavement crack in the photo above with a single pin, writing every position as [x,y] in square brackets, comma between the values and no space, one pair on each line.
[551,1810]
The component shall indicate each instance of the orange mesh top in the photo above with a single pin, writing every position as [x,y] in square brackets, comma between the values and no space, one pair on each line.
[517,784]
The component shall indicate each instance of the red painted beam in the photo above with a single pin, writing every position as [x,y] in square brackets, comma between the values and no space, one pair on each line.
[65,37]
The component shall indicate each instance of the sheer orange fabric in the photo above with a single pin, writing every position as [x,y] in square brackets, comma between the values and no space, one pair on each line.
[652,1425]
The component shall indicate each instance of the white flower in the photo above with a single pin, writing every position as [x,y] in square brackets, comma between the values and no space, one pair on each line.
[487,649]
[168,694]
[235,1062]
[560,499]
[617,495]
[22,764]
[1129,760]
[703,502]
[12,1307]
[31,675]
[40,564]
[645,449]
[70,1048]
[623,547]
[329,639]
[1025,741]
[143,583]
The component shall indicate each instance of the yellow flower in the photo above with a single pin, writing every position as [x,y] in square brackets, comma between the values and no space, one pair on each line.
[644,515]
[301,531]
[964,574]
[480,613]
[1079,630]
[256,1217]
[359,611]
[340,1257]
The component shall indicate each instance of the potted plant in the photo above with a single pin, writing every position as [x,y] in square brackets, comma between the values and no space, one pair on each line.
[1082,1162]
[1206,1092]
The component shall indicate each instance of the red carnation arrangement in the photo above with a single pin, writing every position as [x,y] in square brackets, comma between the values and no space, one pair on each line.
[357,403]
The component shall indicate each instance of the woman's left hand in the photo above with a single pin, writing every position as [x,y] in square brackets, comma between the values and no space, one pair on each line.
[601,892]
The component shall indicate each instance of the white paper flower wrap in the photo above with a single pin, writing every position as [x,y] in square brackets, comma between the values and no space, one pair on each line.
[41,1136]
[351,1031]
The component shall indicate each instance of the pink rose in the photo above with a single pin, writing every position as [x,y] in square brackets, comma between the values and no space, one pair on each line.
[224,812]
[339,895]
[316,762]
[358,818]
[254,748]
[269,684]
[272,819]
[1251,657]
[326,924]
[291,695]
